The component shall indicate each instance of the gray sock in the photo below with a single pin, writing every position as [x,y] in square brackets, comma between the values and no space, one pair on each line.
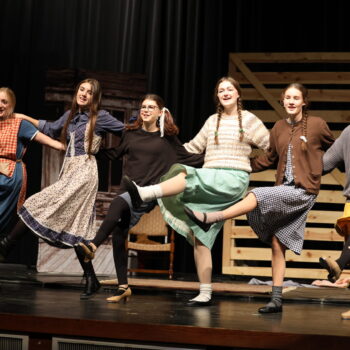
[276,298]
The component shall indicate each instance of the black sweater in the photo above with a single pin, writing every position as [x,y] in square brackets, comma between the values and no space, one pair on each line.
[149,156]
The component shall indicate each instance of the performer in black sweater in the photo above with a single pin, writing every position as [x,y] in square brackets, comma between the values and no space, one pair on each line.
[150,147]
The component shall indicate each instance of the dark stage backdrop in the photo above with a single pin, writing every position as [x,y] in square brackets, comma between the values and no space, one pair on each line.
[182,47]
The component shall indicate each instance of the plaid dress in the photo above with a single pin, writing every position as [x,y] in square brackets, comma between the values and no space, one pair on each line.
[282,211]
[15,135]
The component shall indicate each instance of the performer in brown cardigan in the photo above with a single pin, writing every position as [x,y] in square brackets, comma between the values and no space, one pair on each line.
[278,214]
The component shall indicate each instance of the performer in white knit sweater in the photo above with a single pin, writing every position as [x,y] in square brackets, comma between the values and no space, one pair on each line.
[226,138]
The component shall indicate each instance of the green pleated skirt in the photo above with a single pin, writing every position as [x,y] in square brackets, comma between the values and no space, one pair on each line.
[206,190]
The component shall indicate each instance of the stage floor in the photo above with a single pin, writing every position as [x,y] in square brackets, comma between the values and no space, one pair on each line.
[43,306]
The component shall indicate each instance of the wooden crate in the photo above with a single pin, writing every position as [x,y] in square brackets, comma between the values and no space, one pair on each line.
[327,75]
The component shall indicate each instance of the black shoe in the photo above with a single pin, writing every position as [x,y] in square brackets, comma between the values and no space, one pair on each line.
[332,267]
[270,309]
[92,285]
[133,192]
[5,245]
[198,303]
[203,225]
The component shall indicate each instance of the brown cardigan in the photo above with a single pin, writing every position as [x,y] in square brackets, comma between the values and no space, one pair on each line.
[307,165]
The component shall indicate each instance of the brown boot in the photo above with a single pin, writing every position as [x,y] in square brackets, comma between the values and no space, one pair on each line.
[332,267]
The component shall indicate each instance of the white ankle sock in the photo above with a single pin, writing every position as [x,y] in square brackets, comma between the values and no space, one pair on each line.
[205,291]
[149,193]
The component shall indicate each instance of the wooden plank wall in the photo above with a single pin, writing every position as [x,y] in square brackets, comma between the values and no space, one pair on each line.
[262,77]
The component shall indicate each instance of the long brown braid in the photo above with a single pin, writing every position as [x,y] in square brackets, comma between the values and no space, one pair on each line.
[304,129]
[304,93]
[220,109]
[239,111]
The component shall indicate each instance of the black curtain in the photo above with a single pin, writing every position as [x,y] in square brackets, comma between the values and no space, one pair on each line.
[182,47]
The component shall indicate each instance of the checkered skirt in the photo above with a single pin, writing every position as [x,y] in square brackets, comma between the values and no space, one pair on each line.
[282,211]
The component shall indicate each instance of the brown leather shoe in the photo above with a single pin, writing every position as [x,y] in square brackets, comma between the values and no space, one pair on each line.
[345,315]
[87,251]
[332,267]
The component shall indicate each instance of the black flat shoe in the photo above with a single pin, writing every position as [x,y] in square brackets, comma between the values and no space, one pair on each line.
[195,303]
[203,225]
[270,309]
[133,192]
[332,267]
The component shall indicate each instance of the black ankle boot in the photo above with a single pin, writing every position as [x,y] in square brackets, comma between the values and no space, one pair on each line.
[5,245]
[92,285]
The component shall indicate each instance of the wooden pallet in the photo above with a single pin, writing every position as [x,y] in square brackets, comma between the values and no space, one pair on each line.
[243,254]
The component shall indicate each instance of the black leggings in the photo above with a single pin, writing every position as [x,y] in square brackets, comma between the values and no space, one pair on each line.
[116,222]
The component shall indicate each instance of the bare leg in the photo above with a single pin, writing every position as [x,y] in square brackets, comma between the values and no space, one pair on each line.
[242,207]
[174,185]
[203,260]
[204,220]
[278,262]
[278,270]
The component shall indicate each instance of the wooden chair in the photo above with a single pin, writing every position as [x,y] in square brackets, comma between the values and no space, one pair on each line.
[152,224]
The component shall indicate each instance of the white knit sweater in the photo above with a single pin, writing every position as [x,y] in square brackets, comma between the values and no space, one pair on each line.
[230,152]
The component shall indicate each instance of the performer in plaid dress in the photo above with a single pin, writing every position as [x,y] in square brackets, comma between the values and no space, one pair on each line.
[63,214]
[278,214]
[15,136]
[226,138]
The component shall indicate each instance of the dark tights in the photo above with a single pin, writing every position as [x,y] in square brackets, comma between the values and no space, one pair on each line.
[344,258]
[17,232]
[116,223]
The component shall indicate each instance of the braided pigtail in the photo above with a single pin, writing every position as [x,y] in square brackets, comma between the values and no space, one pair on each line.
[304,131]
[219,111]
[239,111]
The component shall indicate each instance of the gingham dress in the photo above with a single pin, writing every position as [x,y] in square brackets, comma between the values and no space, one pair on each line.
[63,214]
[15,135]
[282,211]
